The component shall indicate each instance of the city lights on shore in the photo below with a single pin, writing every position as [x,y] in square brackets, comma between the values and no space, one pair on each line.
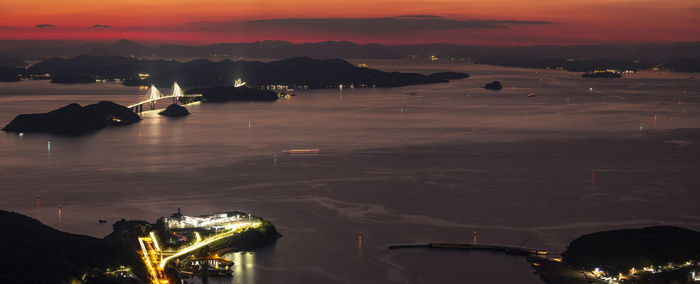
[602,275]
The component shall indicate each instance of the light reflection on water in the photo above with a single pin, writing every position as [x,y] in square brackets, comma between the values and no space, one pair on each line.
[244,266]
[243,270]
[500,163]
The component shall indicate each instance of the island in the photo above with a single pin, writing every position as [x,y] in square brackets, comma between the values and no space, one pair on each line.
[660,254]
[297,72]
[495,85]
[175,110]
[74,119]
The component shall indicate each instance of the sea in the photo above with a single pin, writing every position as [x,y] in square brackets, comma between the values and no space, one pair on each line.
[548,158]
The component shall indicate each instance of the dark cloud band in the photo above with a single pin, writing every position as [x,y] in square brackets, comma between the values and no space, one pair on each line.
[406,23]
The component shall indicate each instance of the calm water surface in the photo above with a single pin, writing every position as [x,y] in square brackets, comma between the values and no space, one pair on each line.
[413,164]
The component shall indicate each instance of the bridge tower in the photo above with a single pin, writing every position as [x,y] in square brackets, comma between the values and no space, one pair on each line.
[177,92]
[153,95]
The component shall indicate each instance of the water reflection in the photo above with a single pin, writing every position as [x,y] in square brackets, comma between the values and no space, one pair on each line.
[359,244]
[243,271]
[243,267]
[38,208]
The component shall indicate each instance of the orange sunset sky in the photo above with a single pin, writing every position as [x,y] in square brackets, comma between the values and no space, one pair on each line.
[494,22]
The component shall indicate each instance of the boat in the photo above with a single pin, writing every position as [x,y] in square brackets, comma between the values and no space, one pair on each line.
[302,151]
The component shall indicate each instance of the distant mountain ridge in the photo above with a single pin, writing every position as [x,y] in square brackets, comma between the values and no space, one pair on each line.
[585,65]
[680,56]
[649,53]
[258,49]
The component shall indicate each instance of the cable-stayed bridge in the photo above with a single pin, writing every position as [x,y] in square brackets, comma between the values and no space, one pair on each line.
[154,95]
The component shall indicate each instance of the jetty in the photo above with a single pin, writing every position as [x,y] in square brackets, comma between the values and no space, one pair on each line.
[506,249]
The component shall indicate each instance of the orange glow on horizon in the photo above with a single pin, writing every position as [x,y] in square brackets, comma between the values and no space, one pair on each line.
[574,21]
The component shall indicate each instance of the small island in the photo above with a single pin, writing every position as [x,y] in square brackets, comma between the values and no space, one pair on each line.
[74,119]
[495,85]
[175,110]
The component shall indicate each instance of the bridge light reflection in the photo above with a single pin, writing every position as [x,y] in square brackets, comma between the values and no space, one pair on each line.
[244,266]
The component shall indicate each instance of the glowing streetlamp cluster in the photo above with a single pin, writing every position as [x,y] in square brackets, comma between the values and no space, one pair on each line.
[217,221]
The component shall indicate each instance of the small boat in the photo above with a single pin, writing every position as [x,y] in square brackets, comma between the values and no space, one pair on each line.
[102,221]
[302,151]
[531,95]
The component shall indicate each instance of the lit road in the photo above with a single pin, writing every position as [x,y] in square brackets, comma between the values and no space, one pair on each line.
[153,256]
[228,233]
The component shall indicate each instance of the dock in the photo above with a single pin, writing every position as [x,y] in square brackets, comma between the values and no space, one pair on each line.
[506,249]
